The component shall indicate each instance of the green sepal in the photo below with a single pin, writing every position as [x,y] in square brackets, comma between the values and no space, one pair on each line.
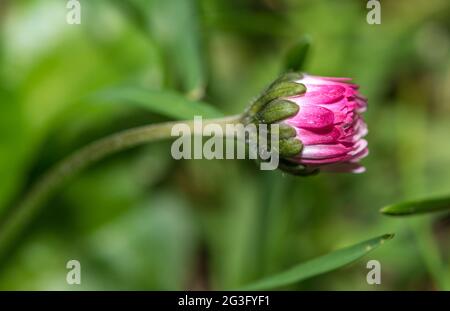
[290,147]
[286,131]
[277,110]
[287,76]
[279,89]
[296,169]
[282,89]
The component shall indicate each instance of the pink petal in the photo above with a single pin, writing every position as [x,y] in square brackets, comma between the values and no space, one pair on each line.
[319,152]
[327,80]
[359,147]
[358,156]
[315,138]
[324,94]
[312,117]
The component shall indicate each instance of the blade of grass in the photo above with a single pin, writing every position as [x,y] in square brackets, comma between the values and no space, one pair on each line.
[413,123]
[417,207]
[181,41]
[297,54]
[319,265]
[165,102]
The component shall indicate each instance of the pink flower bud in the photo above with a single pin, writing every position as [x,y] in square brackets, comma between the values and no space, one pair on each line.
[329,124]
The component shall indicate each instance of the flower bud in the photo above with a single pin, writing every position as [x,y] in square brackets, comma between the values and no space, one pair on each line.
[321,127]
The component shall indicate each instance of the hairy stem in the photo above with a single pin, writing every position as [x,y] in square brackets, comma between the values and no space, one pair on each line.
[73,164]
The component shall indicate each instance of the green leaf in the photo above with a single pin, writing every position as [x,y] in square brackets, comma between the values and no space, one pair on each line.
[296,56]
[176,27]
[319,265]
[167,103]
[417,207]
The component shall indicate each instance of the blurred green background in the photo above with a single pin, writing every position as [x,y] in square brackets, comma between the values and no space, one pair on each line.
[141,220]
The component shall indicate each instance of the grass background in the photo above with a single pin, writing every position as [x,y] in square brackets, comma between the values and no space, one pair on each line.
[141,220]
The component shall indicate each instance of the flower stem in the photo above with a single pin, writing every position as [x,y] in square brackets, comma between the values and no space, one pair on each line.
[20,216]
